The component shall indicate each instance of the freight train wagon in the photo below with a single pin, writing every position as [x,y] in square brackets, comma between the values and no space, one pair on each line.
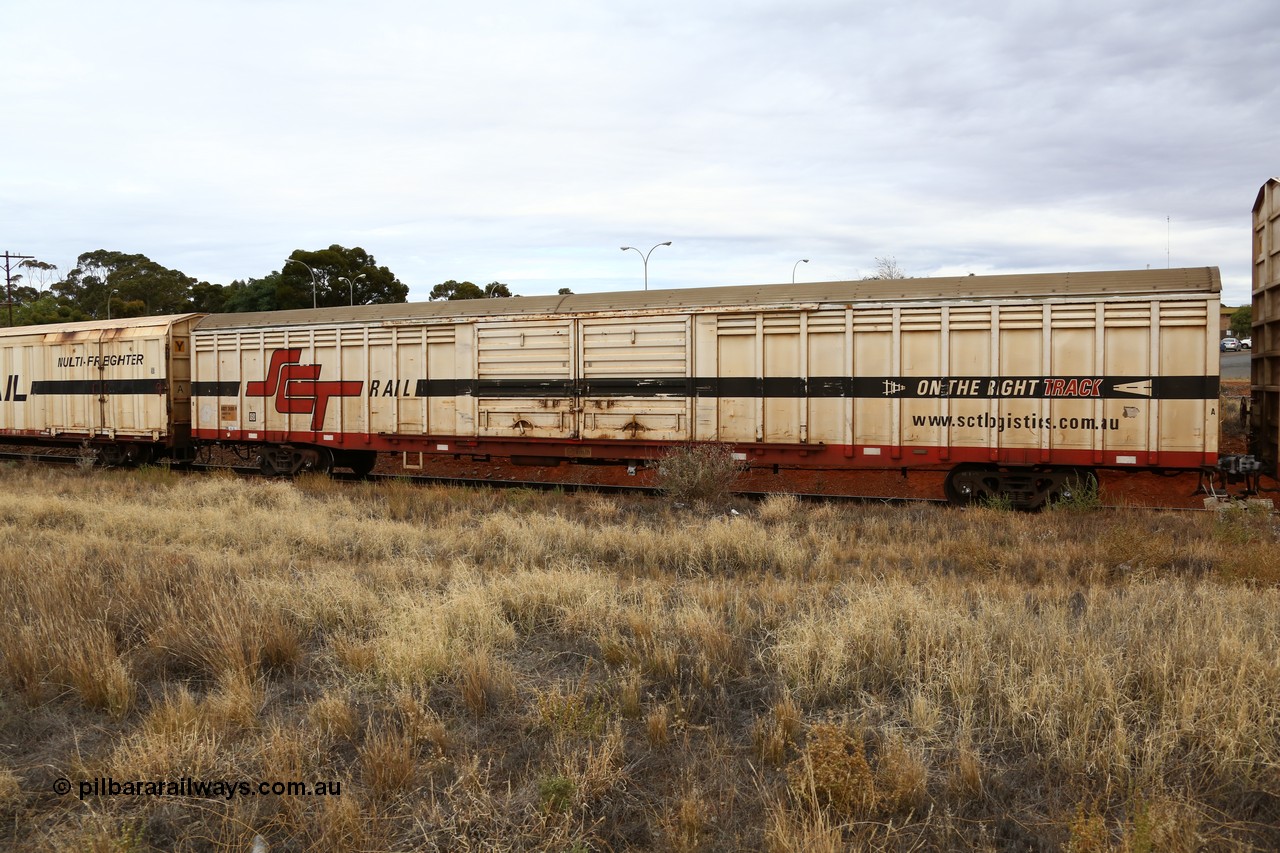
[1013,384]
[122,386]
[1265,420]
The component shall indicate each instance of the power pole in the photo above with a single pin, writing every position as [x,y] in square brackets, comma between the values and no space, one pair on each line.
[8,279]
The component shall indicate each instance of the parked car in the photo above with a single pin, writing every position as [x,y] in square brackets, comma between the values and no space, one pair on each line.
[1246,343]
[1229,345]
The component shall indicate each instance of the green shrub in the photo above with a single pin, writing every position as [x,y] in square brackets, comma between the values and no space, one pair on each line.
[698,472]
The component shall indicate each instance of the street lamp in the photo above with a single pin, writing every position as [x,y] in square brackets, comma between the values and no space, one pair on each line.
[313,278]
[645,256]
[351,285]
[113,290]
[793,268]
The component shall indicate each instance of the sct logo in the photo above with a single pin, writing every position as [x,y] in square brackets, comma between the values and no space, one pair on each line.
[297,387]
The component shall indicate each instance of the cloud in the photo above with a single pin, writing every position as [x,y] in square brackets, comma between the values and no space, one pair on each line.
[525,143]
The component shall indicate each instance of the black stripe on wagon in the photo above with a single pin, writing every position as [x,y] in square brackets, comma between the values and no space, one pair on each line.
[856,387]
[525,388]
[55,387]
[215,389]
[971,387]
[675,386]
[444,388]
[1185,387]
[1037,387]
[728,386]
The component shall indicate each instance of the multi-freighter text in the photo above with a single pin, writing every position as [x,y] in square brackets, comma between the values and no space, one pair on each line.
[125,359]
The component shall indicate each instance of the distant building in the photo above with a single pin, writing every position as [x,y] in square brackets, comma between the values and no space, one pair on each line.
[1224,319]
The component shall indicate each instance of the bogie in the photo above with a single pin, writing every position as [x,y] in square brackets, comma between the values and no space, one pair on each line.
[1021,488]
[283,460]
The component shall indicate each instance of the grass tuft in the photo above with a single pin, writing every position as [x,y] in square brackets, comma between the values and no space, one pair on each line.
[698,473]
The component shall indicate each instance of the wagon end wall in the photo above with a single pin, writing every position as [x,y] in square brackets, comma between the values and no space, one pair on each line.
[1266,324]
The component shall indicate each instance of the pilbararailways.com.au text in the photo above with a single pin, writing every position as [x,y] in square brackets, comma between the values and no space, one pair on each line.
[227,789]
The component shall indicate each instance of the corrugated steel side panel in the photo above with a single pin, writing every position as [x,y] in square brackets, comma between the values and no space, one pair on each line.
[1266,321]
[112,378]
[617,354]
[903,381]
[529,366]
[1021,381]
[317,383]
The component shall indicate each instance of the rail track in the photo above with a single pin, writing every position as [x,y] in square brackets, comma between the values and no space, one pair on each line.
[1118,489]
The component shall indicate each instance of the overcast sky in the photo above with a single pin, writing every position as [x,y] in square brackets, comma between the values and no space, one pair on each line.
[526,142]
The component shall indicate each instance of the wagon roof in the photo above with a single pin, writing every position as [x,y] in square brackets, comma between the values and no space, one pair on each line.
[1262,193]
[159,322]
[1198,280]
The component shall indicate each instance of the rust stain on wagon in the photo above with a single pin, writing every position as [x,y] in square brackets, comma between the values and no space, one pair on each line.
[71,337]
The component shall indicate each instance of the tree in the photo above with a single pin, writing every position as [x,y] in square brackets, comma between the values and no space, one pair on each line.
[40,273]
[886,268]
[564,291]
[47,308]
[21,292]
[1242,321]
[256,294]
[135,285]
[13,298]
[208,298]
[451,290]
[378,284]
[135,282]
[33,304]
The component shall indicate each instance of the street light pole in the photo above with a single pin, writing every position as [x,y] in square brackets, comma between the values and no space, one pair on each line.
[351,285]
[645,257]
[313,278]
[113,290]
[793,268]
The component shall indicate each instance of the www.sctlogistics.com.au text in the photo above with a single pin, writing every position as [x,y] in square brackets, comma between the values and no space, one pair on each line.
[106,786]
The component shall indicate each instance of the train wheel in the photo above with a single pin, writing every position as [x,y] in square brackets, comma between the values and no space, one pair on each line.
[971,483]
[319,460]
[125,455]
[144,455]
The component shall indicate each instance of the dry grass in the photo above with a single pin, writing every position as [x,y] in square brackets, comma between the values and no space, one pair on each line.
[517,670]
